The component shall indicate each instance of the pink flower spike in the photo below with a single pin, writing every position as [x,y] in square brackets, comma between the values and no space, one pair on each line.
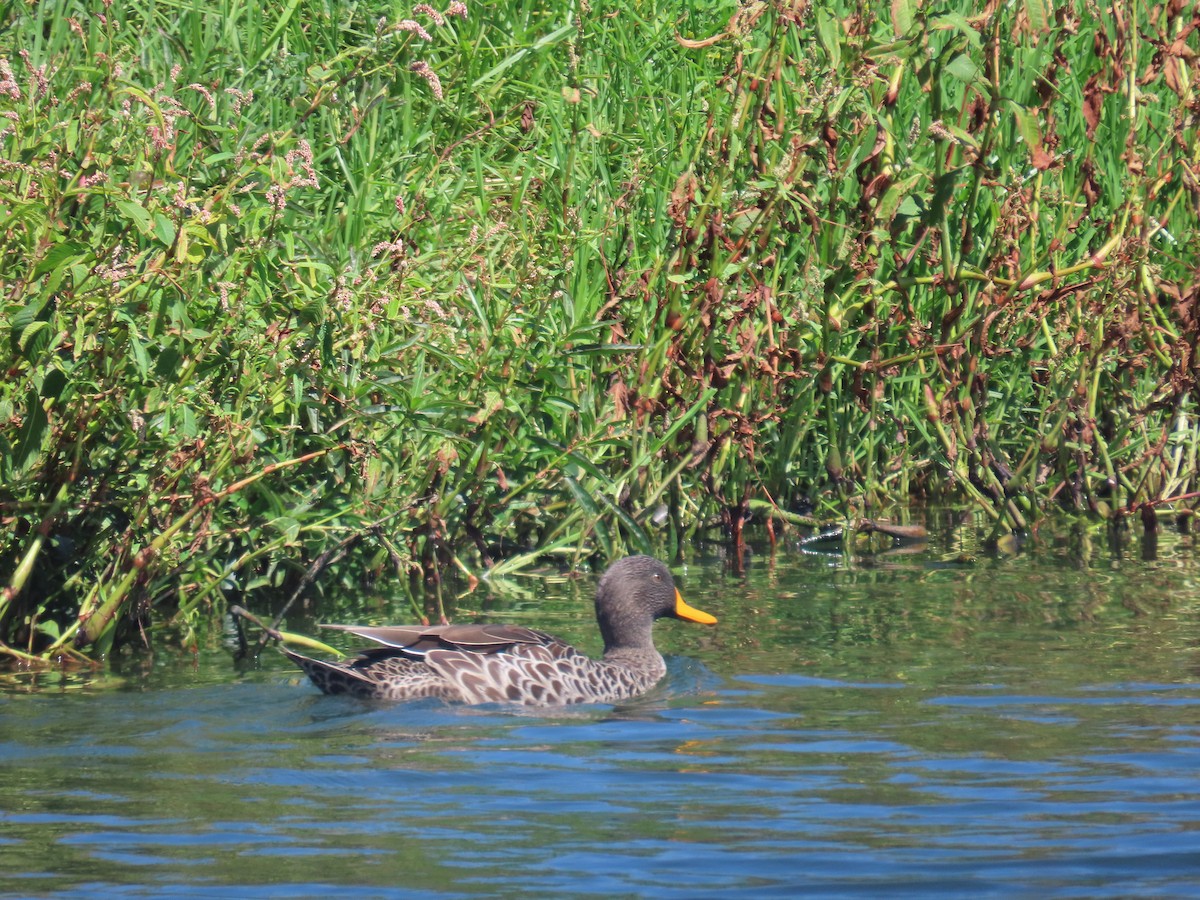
[415,28]
[422,68]
[426,9]
[277,197]
[206,94]
[8,84]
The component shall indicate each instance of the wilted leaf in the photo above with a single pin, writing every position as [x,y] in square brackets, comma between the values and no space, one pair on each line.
[1093,103]
[698,45]
[1027,125]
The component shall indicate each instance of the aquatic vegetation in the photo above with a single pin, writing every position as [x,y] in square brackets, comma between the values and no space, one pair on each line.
[324,289]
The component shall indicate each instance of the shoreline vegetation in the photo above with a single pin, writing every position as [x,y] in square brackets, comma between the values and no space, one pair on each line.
[317,289]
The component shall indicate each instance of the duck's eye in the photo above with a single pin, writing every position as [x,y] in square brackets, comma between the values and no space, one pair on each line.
[657,577]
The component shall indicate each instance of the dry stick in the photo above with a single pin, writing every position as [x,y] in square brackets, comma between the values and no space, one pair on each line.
[322,562]
[330,556]
[239,613]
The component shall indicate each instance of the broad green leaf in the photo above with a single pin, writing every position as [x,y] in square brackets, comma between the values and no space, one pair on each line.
[1027,125]
[167,364]
[962,136]
[164,229]
[829,32]
[49,627]
[288,527]
[137,214]
[895,195]
[958,23]
[32,330]
[963,68]
[59,254]
[29,312]
[140,356]
[53,384]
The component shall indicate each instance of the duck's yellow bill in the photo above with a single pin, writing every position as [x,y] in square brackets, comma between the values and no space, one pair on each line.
[683,611]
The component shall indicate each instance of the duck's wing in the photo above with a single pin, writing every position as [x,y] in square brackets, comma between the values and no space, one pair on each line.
[418,640]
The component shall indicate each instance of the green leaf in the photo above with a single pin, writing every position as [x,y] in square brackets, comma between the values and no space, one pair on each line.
[289,527]
[829,32]
[895,195]
[962,136]
[29,333]
[137,214]
[59,254]
[1027,126]
[28,313]
[553,37]
[959,23]
[902,17]
[140,356]
[49,627]
[164,229]
[1039,15]
[53,384]
[637,534]
[963,68]
[584,499]
[33,429]
[167,364]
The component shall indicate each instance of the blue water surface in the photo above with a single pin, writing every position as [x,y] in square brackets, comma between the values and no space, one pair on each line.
[1014,728]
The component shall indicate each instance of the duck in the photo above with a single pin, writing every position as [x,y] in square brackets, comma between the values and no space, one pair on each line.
[511,664]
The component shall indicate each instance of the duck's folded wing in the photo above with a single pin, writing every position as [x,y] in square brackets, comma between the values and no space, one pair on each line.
[420,639]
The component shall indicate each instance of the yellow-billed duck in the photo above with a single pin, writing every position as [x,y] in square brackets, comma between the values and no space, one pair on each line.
[511,664]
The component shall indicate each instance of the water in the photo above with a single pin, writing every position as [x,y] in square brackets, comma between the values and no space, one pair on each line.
[921,725]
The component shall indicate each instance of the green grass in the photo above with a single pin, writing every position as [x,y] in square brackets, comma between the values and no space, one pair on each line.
[637,274]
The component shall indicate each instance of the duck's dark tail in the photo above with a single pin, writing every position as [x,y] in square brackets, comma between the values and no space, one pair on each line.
[333,677]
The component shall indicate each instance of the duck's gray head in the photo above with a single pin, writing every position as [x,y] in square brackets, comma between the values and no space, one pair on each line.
[633,593]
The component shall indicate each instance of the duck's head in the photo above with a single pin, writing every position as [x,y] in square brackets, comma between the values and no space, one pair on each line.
[633,593]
